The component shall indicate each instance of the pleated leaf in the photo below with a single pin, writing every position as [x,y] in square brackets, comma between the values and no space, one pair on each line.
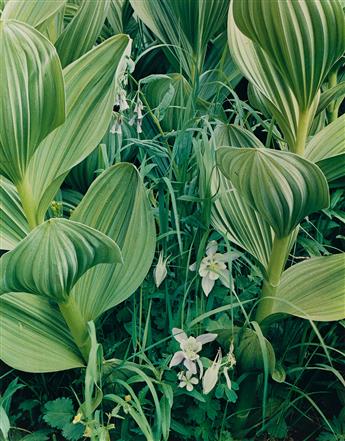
[283,187]
[34,335]
[32,97]
[330,95]
[313,289]
[51,259]
[91,85]
[303,39]
[117,205]
[269,93]
[81,33]
[185,25]
[231,214]
[33,12]
[13,224]
[327,149]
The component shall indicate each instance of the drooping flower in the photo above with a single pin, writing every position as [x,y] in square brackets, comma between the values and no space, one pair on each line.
[160,272]
[187,380]
[190,348]
[213,267]
[211,375]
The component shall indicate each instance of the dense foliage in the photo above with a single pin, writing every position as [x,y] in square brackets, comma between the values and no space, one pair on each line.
[172,214]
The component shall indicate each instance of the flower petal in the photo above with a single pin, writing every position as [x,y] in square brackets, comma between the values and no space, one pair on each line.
[190,366]
[206,338]
[179,335]
[207,285]
[192,267]
[224,278]
[189,387]
[177,359]
[203,271]
[213,275]
[211,247]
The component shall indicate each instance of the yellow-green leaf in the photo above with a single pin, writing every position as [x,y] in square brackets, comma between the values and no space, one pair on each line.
[51,259]
[313,289]
[303,39]
[283,187]
[33,12]
[117,205]
[32,97]
[34,335]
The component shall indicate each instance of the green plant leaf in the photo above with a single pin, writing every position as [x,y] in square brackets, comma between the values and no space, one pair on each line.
[32,97]
[58,412]
[329,95]
[283,187]
[231,214]
[327,149]
[51,259]
[14,226]
[34,335]
[33,12]
[117,205]
[186,26]
[81,33]
[320,297]
[303,39]
[91,85]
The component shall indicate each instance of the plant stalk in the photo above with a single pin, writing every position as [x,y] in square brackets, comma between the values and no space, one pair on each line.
[77,325]
[28,204]
[275,268]
[332,108]
[302,132]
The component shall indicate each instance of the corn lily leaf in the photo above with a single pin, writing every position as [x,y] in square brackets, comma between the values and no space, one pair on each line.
[32,97]
[231,213]
[34,335]
[186,26]
[268,92]
[81,33]
[281,186]
[14,226]
[51,259]
[119,16]
[33,12]
[91,85]
[117,205]
[327,149]
[329,95]
[320,297]
[302,39]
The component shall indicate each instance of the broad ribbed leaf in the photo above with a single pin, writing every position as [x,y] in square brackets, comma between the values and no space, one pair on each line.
[269,92]
[332,94]
[91,85]
[81,33]
[186,25]
[32,98]
[51,259]
[119,15]
[313,289]
[117,205]
[13,224]
[327,149]
[231,214]
[281,186]
[33,12]
[302,38]
[34,335]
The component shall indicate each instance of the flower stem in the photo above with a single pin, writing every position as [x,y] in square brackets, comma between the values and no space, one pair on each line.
[77,325]
[274,270]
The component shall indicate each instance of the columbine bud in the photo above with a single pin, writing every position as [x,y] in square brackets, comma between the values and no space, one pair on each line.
[77,418]
[160,272]
[211,375]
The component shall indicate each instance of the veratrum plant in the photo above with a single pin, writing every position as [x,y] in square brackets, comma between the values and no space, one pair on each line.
[59,274]
[286,50]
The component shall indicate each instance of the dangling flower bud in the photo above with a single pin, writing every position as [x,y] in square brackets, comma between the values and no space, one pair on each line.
[211,375]
[160,272]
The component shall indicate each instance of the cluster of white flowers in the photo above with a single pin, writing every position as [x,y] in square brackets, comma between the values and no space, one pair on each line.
[213,267]
[189,356]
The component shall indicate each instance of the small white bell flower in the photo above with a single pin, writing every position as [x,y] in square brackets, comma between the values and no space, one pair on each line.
[160,272]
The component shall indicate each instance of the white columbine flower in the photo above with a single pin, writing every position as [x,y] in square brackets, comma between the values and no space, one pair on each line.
[187,380]
[211,375]
[190,348]
[213,267]
[160,272]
